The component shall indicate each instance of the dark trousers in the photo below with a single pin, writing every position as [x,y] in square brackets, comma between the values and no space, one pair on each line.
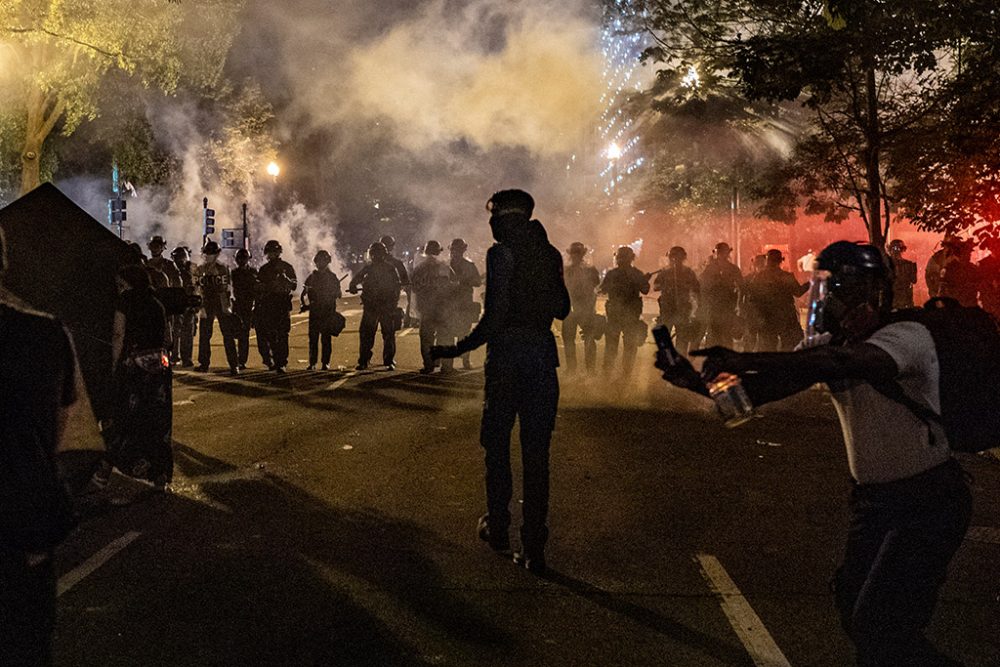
[371,320]
[627,330]
[720,326]
[683,329]
[581,321]
[27,611]
[244,315]
[184,330]
[902,537]
[205,330]
[779,339]
[272,336]
[530,395]
[431,328]
[315,340]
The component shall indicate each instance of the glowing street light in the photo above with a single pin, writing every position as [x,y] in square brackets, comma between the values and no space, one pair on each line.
[273,170]
[692,79]
[614,151]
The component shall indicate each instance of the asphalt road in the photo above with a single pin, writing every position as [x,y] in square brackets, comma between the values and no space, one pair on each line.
[329,519]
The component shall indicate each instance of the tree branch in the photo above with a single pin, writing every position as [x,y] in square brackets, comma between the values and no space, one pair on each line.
[68,38]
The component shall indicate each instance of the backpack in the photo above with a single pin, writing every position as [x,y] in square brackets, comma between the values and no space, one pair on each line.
[967,341]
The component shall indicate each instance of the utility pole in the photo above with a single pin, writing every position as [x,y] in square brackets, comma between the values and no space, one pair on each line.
[116,205]
[208,218]
[734,218]
[246,229]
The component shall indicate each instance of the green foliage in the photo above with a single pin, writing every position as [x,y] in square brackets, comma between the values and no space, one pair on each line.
[57,53]
[883,82]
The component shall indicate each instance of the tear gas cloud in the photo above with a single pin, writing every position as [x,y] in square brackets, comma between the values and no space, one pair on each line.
[432,104]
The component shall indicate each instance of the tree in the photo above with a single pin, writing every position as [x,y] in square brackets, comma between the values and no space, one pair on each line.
[874,75]
[57,54]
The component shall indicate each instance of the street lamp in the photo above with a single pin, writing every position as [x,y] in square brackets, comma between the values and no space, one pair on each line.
[614,151]
[273,170]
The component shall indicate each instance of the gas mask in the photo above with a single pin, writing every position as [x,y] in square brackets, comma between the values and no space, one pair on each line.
[840,306]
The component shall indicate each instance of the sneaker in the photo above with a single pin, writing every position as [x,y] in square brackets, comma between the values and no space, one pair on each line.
[326,367]
[242,367]
[311,367]
[361,367]
[390,366]
[235,370]
[280,370]
[187,364]
[426,370]
[497,542]
[532,563]
[201,369]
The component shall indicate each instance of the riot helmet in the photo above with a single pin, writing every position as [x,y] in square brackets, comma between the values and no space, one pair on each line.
[851,289]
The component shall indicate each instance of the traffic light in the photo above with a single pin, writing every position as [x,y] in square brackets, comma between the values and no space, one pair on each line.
[209,221]
[116,211]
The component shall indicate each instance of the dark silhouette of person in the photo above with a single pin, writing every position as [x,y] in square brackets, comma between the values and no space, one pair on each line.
[276,281]
[989,278]
[244,297]
[462,309]
[433,281]
[624,286]
[582,281]
[379,281]
[524,293]
[904,275]
[679,288]
[959,276]
[721,281]
[214,283]
[771,294]
[910,502]
[38,376]
[186,324]
[319,297]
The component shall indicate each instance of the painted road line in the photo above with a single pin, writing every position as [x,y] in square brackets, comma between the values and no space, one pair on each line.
[341,382]
[748,626]
[87,567]
[986,534]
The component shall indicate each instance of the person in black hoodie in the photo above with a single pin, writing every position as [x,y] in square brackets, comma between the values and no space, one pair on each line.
[524,293]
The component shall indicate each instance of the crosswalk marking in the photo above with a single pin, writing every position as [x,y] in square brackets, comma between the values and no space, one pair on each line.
[748,626]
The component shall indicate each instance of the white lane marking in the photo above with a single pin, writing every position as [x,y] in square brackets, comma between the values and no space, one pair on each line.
[748,626]
[89,566]
[187,401]
[986,534]
[407,332]
[341,382]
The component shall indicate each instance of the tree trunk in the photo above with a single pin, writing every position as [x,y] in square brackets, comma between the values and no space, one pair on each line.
[31,164]
[43,112]
[873,136]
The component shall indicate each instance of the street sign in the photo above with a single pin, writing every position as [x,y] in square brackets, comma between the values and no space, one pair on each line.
[232,238]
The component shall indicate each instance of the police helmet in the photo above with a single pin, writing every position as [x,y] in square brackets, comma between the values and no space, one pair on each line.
[322,256]
[156,241]
[272,246]
[625,252]
[388,242]
[211,248]
[180,252]
[897,245]
[774,257]
[723,248]
[432,248]
[678,251]
[243,254]
[459,244]
[576,248]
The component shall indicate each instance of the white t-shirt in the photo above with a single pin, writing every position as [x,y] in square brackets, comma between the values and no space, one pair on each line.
[885,440]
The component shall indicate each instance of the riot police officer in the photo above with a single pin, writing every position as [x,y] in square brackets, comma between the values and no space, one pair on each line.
[214,284]
[624,286]
[276,281]
[462,309]
[678,287]
[379,281]
[582,281]
[319,297]
[905,275]
[187,324]
[771,294]
[244,297]
[721,281]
